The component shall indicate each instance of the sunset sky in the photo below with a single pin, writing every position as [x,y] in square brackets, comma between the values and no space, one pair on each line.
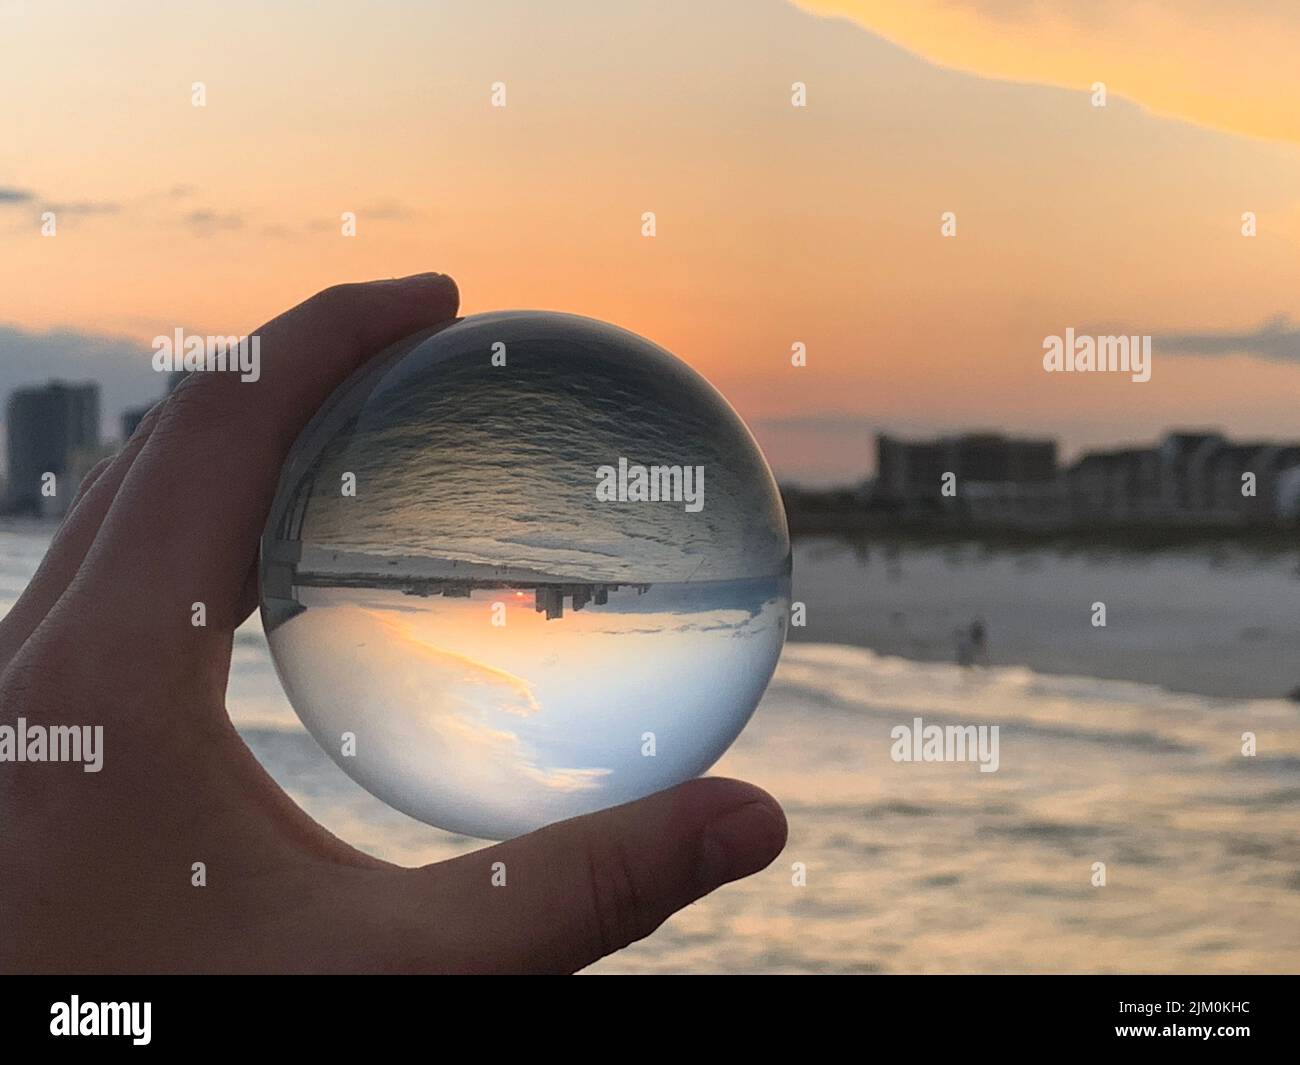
[776,224]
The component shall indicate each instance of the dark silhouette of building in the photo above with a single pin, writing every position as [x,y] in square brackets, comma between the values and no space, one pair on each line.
[1269,462]
[1115,485]
[912,471]
[51,428]
[1185,458]
[909,470]
[1189,477]
[549,598]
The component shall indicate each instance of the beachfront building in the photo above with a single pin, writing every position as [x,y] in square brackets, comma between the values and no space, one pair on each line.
[1119,485]
[1286,502]
[987,466]
[52,429]
[1188,478]
[1243,479]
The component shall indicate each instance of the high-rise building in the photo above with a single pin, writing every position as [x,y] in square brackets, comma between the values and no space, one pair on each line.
[51,429]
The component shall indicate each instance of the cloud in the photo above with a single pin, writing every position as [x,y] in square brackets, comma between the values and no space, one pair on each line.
[207,222]
[382,211]
[12,197]
[1009,10]
[84,207]
[388,210]
[1277,340]
[1072,11]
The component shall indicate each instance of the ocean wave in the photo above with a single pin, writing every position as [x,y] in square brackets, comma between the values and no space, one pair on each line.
[832,678]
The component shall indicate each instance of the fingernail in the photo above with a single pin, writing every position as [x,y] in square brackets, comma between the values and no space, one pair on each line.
[419,279]
[740,842]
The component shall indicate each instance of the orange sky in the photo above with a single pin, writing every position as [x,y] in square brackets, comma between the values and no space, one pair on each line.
[775,224]
[1230,66]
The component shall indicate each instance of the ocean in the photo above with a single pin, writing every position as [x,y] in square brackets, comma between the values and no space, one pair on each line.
[1120,745]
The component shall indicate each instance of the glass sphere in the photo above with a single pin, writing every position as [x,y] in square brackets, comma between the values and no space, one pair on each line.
[521,567]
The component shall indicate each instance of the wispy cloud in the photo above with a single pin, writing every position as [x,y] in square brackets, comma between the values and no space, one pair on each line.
[1010,10]
[1072,11]
[381,211]
[388,210]
[84,207]
[206,222]
[14,197]
[1277,339]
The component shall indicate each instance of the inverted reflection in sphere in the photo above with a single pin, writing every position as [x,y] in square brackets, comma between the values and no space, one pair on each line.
[522,567]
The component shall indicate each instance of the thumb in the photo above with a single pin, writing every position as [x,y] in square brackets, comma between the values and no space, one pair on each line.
[578,890]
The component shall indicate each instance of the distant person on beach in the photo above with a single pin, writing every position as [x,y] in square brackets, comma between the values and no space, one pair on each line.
[971,647]
[965,649]
[181,854]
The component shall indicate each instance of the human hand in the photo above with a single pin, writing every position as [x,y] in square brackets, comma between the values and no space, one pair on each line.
[95,867]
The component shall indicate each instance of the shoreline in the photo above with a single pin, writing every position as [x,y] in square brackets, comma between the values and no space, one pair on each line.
[1163,677]
[1218,623]
[1134,538]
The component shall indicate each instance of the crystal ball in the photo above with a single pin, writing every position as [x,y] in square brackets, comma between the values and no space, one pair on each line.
[523,566]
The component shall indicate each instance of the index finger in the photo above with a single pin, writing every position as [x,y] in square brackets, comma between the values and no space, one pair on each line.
[185,524]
